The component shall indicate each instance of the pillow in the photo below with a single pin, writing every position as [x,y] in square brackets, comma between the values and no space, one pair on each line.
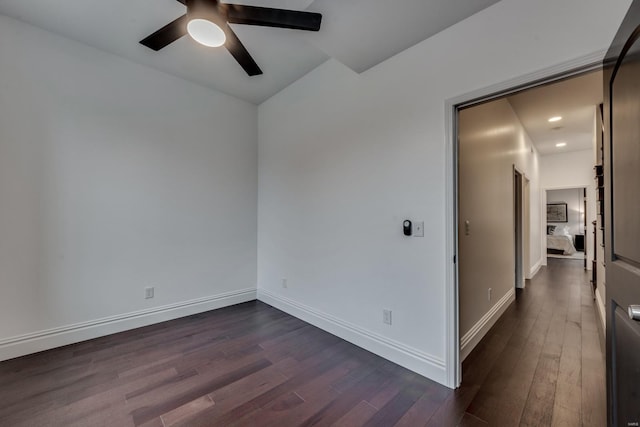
[551,229]
[561,231]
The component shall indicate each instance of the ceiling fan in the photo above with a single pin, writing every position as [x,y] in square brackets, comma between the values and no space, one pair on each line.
[206,21]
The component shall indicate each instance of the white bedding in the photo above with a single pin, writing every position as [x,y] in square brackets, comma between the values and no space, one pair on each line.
[561,242]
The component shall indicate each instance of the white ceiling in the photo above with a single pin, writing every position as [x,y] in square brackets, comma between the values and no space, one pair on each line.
[574,100]
[359,33]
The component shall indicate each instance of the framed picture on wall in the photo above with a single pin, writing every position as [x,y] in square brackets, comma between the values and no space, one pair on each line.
[557,212]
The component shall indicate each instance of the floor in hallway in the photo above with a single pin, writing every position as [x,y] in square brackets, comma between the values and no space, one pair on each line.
[542,363]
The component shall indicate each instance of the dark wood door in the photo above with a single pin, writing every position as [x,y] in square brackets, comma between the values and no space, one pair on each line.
[622,216]
[517,215]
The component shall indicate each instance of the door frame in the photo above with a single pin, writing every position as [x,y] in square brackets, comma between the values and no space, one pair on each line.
[585,64]
[587,189]
[526,218]
[519,179]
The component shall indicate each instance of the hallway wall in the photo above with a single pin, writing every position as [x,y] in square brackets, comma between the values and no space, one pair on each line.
[491,141]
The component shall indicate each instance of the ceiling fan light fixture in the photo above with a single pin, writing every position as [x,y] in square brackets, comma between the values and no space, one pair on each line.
[206,32]
[207,22]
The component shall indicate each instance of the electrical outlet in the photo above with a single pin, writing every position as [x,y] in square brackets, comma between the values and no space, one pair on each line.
[489,294]
[148,293]
[386,316]
[284,283]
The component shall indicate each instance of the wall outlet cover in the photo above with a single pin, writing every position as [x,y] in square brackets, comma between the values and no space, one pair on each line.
[386,316]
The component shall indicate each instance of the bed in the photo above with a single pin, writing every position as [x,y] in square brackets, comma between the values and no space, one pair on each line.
[560,244]
[559,241]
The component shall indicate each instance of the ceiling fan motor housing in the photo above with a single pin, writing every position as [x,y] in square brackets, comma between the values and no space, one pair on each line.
[205,9]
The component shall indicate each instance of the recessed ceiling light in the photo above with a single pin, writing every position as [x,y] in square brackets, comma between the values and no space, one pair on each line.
[561,144]
[555,119]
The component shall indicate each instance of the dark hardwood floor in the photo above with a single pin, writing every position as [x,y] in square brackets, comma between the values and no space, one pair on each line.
[251,364]
[542,363]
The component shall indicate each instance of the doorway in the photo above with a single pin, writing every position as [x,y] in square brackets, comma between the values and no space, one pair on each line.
[566,236]
[518,214]
[501,236]
[526,230]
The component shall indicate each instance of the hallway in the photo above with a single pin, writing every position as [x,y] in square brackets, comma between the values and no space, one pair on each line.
[543,362]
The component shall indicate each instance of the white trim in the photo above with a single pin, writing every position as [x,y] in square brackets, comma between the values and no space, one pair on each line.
[411,358]
[452,348]
[585,63]
[566,69]
[523,177]
[44,340]
[480,329]
[536,267]
[543,227]
[601,310]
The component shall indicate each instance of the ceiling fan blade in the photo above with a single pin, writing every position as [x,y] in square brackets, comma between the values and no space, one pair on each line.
[167,34]
[240,53]
[268,17]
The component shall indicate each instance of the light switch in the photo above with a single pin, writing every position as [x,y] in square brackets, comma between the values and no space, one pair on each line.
[467,228]
[418,229]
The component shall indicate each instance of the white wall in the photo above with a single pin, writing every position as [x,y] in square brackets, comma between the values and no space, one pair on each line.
[114,177]
[492,141]
[567,170]
[572,169]
[344,158]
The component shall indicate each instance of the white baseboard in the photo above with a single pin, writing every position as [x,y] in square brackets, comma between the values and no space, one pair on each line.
[69,334]
[535,268]
[411,358]
[601,310]
[480,329]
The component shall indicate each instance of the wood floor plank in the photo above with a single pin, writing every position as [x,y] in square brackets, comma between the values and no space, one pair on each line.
[395,409]
[146,413]
[423,409]
[593,388]
[236,394]
[567,408]
[538,410]
[173,417]
[357,416]
[469,420]
[349,399]
[311,398]
[453,408]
